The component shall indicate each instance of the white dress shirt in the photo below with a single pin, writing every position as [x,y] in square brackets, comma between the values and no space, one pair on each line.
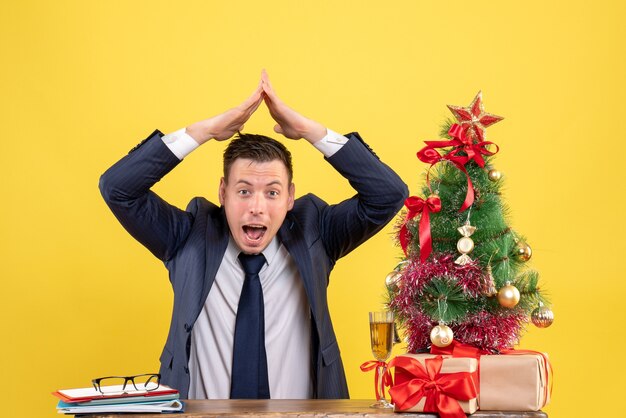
[287,312]
[181,144]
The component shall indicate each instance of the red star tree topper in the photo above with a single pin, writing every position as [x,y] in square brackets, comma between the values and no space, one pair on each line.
[474,118]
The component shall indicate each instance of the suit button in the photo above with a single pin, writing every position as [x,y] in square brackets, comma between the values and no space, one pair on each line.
[138,145]
[186,369]
[187,327]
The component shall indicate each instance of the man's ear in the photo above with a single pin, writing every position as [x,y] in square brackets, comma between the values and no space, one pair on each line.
[222,191]
[292,196]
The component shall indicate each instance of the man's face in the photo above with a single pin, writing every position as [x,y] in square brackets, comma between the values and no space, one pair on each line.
[256,198]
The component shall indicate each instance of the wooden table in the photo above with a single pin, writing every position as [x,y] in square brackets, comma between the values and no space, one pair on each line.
[318,408]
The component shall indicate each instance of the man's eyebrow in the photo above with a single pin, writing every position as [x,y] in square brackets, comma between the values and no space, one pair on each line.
[271,183]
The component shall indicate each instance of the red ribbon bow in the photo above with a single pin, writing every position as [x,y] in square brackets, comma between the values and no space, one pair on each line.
[462,144]
[387,380]
[417,205]
[442,391]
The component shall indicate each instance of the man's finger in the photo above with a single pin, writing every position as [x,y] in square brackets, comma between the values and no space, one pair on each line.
[265,79]
[267,85]
[271,106]
[255,105]
[254,98]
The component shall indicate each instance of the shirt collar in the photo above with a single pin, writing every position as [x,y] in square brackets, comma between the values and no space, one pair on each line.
[269,252]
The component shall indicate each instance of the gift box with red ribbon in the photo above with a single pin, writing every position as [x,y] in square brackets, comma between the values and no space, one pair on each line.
[431,383]
[515,380]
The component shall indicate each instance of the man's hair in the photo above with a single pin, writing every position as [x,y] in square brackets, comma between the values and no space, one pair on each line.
[258,148]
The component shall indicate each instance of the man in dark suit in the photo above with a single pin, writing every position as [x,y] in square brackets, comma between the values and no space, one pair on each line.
[207,249]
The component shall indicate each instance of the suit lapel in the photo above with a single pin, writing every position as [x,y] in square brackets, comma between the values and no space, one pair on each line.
[217,235]
[292,237]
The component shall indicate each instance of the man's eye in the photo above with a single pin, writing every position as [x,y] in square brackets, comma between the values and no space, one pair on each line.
[243,192]
[273,193]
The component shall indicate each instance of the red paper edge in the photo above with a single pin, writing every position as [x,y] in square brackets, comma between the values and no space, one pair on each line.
[91,398]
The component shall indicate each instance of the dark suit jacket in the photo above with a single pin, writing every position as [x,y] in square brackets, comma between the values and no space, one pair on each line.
[192,243]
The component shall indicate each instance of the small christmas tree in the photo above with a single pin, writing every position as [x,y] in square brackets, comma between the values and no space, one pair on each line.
[464,276]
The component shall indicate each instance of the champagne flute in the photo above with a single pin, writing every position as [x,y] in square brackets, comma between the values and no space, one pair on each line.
[381,338]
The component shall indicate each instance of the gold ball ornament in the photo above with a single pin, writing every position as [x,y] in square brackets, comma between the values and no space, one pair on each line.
[494,175]
[523,251]
[508,295]
[542,316]
[441,335]
[392,279]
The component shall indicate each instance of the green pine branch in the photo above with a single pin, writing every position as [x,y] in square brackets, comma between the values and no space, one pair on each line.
[530,295]
[444,300]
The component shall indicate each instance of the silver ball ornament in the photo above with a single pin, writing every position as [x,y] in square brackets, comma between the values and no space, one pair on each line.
[393,278]
[542,316]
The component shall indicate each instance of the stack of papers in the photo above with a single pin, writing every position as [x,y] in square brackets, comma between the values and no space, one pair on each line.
[90,401]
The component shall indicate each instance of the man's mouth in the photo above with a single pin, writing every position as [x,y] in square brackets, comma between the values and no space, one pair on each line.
[254,232]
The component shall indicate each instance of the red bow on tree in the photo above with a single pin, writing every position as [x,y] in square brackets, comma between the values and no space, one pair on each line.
[464,150]
[417,205]
[442,391]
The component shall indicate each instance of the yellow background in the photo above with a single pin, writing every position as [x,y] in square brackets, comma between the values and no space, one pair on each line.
[83,81]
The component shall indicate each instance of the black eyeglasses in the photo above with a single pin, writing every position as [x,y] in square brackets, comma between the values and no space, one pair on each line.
[118,384]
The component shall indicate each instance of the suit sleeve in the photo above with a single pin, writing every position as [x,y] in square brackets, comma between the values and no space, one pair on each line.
[380,195]
[159,226]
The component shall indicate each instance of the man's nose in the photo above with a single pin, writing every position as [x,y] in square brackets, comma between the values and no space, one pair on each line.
[257,204]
